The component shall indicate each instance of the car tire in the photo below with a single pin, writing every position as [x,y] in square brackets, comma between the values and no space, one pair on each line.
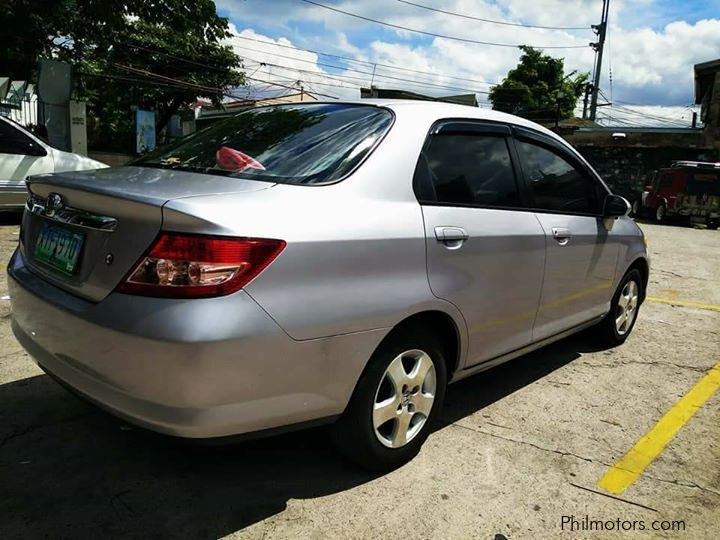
[362,434]
[660,213]
[613,330]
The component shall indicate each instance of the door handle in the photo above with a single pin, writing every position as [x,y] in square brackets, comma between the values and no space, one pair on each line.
[562,235]
[451,236]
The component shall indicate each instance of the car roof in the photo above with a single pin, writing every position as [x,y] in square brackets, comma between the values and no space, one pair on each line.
[438,110]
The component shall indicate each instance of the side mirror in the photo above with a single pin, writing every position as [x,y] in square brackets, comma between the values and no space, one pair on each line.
[615,206]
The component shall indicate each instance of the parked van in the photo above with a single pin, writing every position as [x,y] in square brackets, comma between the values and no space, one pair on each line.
[700,203]
[670,186]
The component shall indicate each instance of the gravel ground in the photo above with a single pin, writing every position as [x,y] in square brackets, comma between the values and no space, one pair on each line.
[519,447]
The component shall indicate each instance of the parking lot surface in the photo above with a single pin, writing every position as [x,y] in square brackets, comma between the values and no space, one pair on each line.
[519,452]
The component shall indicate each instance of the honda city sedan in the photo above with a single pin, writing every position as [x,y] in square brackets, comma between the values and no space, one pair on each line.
[320,263]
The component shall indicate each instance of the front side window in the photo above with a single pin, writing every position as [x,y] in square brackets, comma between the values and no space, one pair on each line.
[556,184]
[290,144]
[470,169]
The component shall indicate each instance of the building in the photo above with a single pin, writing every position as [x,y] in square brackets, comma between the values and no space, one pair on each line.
[629,155]
[707,95]
[205,113]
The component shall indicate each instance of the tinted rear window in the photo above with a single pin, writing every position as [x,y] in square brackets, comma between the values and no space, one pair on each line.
[291,144]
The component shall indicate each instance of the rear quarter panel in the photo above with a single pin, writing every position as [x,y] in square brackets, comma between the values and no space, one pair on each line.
[355,255]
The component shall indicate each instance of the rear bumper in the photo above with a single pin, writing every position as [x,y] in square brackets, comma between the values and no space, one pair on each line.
[699,213]
[200,368]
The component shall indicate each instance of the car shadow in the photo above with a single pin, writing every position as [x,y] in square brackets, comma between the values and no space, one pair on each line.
[69,470]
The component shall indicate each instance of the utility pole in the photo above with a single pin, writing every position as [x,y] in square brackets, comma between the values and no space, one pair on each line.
[588,89]
[601,30]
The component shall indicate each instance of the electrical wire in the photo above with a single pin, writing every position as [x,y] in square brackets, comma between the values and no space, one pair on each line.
[288,87]
[345,68]
[432,34]
[364,62]
[639,114]
[493,21]
[362,79]
[678,121]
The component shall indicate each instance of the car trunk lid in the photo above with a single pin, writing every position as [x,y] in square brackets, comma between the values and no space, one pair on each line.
[105,220]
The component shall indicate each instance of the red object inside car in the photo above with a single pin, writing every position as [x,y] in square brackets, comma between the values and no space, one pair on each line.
[233,160]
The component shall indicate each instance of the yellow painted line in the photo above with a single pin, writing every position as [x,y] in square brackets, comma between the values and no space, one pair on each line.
[711,307]
[626,471]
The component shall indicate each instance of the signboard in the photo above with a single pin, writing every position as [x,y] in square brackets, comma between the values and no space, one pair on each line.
[144,131]
[78,129]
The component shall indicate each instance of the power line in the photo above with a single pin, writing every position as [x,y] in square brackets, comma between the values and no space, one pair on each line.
[288,87]
[414,82]
[425,84]
[627,110]
[345,68]
[144,82]
[187,84]
[193,85]
[661,106]
[432,34]
[364,62]
[493,21]
[179,58]
[640,114]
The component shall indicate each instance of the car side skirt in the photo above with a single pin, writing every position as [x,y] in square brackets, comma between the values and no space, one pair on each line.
[462,374]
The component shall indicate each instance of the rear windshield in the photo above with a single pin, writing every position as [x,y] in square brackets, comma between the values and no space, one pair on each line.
[290,144]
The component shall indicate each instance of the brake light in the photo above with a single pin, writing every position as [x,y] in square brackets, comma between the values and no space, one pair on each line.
[194,266]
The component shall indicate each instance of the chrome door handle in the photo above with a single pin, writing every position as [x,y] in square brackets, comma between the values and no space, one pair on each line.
[451,236]
[562,235]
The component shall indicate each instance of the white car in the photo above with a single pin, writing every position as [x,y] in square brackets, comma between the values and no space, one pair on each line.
[23,154]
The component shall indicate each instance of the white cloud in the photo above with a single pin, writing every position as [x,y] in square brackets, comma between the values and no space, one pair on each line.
[276,66]
[652,66]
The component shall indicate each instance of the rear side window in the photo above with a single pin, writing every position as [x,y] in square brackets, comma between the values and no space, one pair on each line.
[557,185]
[290,144]
[469,169]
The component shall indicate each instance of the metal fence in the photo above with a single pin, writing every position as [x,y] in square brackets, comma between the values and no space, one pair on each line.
[19,101]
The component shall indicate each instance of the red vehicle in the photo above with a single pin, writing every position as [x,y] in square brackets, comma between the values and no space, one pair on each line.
[661,198]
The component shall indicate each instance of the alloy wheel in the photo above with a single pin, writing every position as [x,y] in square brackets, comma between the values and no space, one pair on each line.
[626,310]
[404,398]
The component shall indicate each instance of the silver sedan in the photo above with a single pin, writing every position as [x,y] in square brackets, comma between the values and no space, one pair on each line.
[325,262]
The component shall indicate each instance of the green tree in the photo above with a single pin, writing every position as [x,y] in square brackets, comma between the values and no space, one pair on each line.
[118,50]
[538,86]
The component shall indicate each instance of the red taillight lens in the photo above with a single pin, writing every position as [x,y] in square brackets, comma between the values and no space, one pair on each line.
[194,266]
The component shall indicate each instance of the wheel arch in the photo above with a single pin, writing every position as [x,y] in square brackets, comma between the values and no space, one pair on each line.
[443,325]
[641,264]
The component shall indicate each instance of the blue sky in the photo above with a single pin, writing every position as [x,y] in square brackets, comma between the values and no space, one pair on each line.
[652,45]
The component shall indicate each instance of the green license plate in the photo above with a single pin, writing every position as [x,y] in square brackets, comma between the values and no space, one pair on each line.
[58,248]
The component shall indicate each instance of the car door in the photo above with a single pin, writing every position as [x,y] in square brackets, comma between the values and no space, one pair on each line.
[485,248]
[20,156]
[581,255]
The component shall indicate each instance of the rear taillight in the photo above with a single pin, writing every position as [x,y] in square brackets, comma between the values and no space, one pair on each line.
[194,266]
